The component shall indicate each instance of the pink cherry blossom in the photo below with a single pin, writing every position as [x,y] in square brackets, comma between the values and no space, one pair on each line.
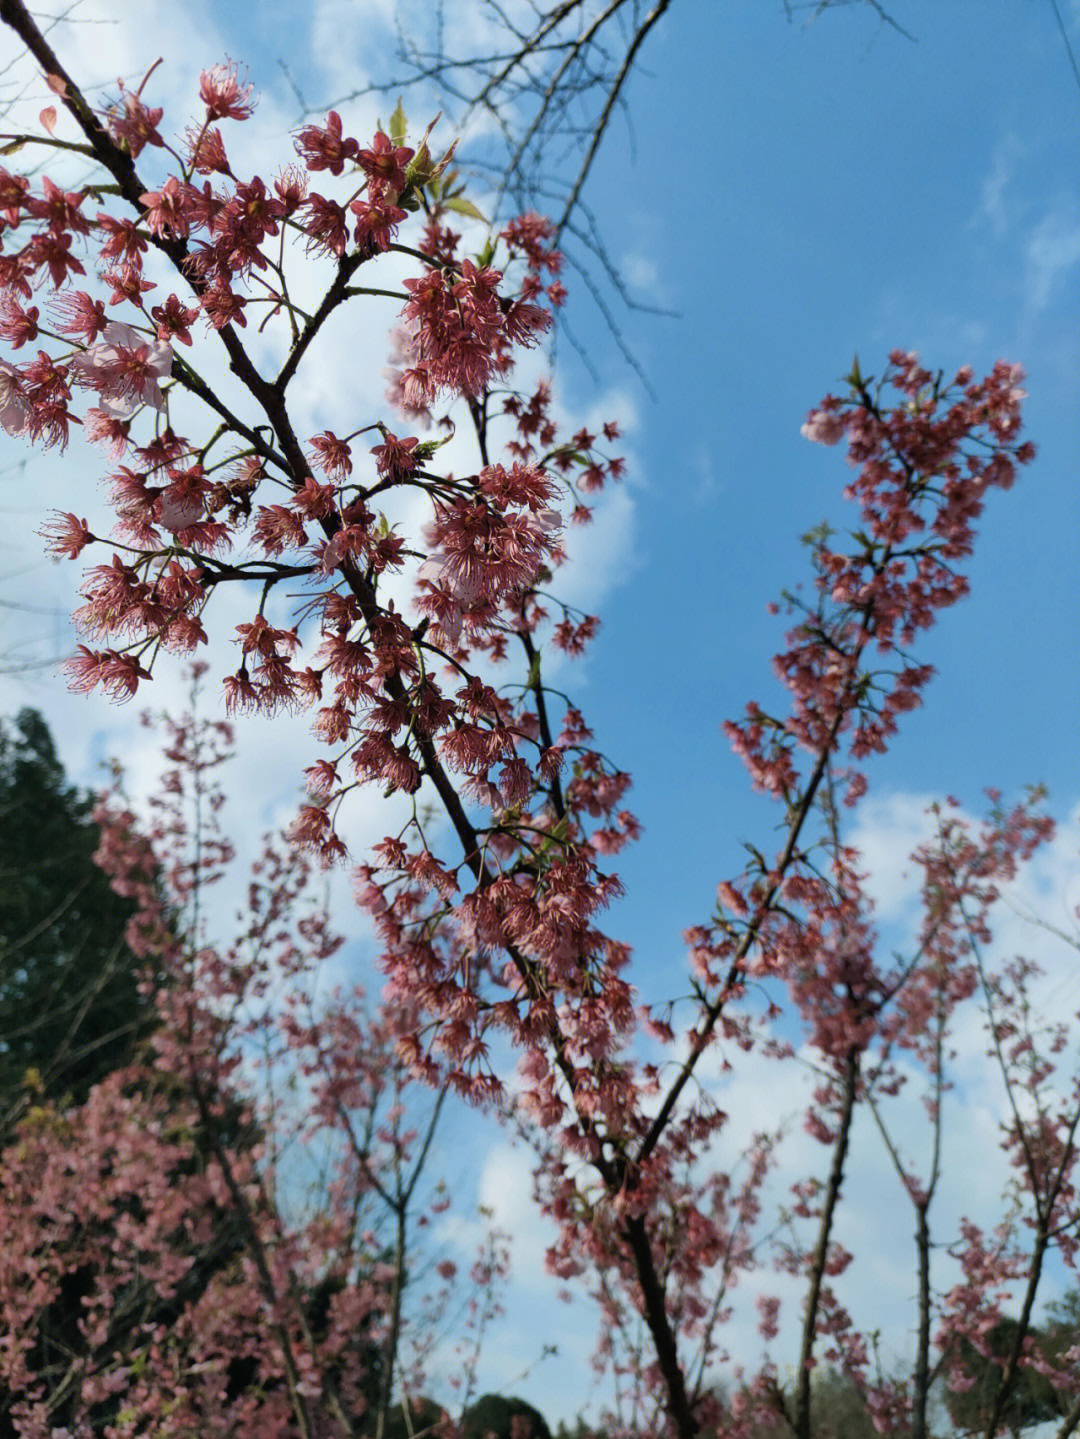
[124,367]
[225,95]
[15,409]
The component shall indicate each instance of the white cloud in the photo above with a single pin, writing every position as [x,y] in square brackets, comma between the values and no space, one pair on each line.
[1052,251]
[996,204]
[506,1191]
[641,272]
[347,44]
[888,828]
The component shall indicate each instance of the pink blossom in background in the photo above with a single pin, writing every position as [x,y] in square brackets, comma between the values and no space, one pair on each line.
[124,367]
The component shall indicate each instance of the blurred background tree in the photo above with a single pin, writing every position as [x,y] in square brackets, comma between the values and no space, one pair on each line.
[1032,1399]
[504,1417]
[71,1010]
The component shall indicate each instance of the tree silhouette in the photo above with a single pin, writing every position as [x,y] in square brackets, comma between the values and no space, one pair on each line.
[1031,1399]
[70,1006]
[503,1417]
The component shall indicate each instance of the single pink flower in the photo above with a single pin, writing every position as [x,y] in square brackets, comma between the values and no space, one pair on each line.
[124,367]
[825,427]
[324,147]
[136,125]
[65,535]
[224,94]
[14,406]
[385,163]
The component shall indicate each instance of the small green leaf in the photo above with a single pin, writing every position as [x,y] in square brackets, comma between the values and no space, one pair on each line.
[427,448]
[556,837]
[421,168]
[464,207]
[12,147]
[441,167]
[399,126]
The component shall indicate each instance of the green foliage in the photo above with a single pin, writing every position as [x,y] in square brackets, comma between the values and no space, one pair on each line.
[837,1409]
[494,1414]
[70,1008]
[579,1430]
[1063,1328]
[411,1417]
[1031,1400]
[399,125]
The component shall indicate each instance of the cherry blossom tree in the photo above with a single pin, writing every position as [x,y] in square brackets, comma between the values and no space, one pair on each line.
[423,649]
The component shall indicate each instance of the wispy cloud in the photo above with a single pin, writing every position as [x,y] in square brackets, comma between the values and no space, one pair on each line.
[998,201]
[1051,253]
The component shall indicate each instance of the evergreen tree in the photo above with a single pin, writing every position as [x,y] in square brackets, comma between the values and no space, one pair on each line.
[1031,1400]
[70,1007]
[494,1414]
[423,1417]
[579,1430]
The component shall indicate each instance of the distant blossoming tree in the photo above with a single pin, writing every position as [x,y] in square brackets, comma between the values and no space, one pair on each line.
[169,1269]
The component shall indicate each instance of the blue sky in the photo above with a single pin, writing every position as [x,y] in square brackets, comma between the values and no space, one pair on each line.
[796,193]
[851,191]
